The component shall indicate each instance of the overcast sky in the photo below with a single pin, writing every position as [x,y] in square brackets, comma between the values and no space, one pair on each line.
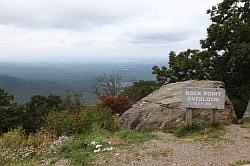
[82,30]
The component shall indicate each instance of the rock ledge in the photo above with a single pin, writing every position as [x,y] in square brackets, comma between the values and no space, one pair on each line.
[162,108]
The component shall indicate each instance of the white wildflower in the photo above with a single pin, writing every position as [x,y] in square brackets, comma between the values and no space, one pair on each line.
[98,146]
[63,139]
[108,149]
[98,150]
[93,143]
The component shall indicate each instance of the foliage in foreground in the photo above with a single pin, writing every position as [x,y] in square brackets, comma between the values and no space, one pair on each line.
[61,116]
[85,121]
[200,129]
[86,148]
[17,148]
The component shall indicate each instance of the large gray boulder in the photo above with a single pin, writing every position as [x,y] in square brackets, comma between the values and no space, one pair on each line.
[162,109]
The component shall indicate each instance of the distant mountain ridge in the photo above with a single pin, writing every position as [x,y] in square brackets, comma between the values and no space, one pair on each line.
[23,89]
[77,76]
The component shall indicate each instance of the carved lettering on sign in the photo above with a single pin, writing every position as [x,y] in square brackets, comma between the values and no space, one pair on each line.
[203,98]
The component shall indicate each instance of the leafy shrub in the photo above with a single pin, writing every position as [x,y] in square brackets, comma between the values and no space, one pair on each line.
[16,146]
[140,89]
[39,139]
[14,138]
[85,121]
[59,122]
[11,117]
[118,104]
[17,138]
[37,109]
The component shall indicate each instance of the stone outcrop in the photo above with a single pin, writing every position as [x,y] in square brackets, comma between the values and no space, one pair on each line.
[162,109]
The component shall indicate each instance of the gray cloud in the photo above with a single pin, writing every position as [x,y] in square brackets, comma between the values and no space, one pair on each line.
[63,14]
[29,28]
[67,20]
[160,37]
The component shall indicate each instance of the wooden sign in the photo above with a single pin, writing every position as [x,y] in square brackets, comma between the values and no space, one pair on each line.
[213,98]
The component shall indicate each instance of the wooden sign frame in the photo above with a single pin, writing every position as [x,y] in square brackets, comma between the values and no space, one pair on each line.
[212,107]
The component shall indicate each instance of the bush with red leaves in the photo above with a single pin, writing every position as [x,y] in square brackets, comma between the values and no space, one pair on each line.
[118,104]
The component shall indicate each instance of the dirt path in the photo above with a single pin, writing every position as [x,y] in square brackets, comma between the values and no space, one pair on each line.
[169,150]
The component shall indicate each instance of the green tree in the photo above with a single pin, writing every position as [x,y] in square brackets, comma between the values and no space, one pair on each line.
[189,64]
[228,45]
[11,114]
[11,117]
[140,89]
[5,98]
[37,109]
[225,55]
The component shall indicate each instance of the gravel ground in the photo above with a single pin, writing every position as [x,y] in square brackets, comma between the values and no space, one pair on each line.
[172,151]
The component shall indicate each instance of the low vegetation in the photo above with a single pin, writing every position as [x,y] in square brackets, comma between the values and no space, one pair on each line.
[86,121]
[49,128]
[240,163]
[245,123]
[86,148]
[200,130]
[17,148]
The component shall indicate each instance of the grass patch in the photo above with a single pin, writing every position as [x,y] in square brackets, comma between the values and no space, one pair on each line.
[82,151]
[200,130]
[134,137]
[239,163]
[52,161]
[246,123]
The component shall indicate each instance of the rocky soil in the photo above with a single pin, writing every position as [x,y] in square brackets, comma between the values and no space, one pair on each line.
[169,150]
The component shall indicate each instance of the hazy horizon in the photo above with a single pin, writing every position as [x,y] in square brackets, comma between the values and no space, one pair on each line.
[163,60]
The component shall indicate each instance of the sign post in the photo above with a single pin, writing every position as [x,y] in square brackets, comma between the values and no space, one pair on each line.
[213,116]
[205,98]
[189,116]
